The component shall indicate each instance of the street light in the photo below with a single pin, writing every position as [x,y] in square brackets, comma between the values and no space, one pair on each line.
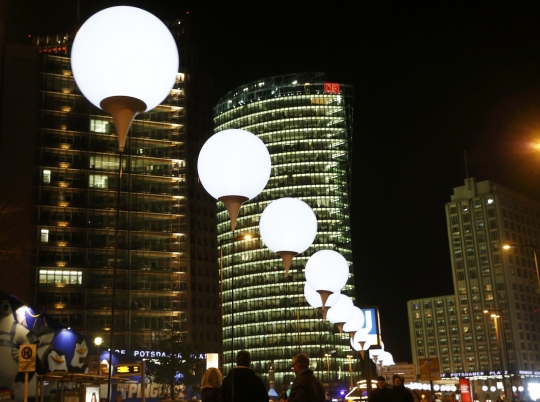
[350,370]
[122,83]
[495,316]
[533,248]
[327,355]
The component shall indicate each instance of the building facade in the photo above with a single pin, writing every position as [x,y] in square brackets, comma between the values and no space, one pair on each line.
[306,123]
[482,217]
[166,275]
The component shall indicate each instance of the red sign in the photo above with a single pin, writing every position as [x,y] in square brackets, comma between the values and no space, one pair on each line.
[465,389]
[331,88]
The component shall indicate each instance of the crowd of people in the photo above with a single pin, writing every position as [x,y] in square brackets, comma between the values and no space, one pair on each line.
[398,393]
[241,384]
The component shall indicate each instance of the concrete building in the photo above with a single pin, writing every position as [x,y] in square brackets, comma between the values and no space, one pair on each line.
[60,173]
[306,123]
[482,217]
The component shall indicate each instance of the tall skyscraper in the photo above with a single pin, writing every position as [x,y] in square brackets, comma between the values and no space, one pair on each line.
[306,123]
[66,153]
[482,217]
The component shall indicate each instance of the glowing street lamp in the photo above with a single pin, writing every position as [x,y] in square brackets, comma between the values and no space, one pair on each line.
[288,227]
[496,314]
[533,248]
[234,166]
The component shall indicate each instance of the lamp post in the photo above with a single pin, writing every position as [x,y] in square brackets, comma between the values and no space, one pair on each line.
[533,248]
[121,84]
[496,314]
[361,343]
[327,355]
[350,371]
[98,341]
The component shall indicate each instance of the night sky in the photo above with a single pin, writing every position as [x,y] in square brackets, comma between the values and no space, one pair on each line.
[433,80]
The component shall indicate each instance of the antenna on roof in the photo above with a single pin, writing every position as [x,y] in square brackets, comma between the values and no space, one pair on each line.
[466,167]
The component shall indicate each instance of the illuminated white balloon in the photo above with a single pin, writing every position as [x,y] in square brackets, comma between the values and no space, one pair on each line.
[340,312]
[234,166]
[362,338]
[327,272]
[356,322]
[314,299]
[106,56]
[387,359]
[288,227]
[109,67]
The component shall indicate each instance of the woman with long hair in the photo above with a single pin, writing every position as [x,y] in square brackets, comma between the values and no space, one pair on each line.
[210,385]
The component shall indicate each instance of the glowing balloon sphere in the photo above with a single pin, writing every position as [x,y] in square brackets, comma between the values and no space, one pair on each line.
[288,224]
[327,270]
[356,322]
[314,299]
[124,51]
[234,166]
[342,311]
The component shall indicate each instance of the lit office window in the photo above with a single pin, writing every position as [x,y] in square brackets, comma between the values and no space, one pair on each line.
[99,126]
[98,181]
[46,176]
[60,277]
[44,235]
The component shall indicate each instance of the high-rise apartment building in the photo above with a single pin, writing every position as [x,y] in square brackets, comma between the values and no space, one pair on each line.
[61,163]
[482,217]
[306,123]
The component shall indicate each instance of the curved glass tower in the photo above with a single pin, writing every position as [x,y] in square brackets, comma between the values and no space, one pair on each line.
[306,123]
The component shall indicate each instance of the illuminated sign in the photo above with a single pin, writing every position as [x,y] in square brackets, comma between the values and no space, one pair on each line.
[371,324]
[331,88]
[495,373]
[465,388]
[128,369]
[155,354]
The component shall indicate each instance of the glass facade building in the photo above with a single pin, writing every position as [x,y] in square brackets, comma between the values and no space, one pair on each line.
[482,217]
[167,276]
[306,123]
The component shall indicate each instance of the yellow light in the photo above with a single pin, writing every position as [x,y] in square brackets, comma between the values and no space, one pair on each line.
[507,247]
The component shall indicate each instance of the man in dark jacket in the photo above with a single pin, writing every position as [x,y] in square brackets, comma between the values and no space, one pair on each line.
[381,393]
[241,383]
[306,387]
[399,393]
